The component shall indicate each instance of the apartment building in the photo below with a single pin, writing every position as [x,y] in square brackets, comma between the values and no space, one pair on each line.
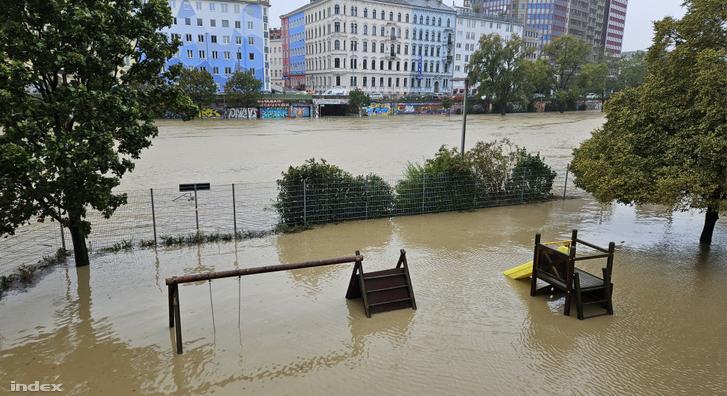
[275,59]
[393,47]
[222,37]
[471,25]
[597,22]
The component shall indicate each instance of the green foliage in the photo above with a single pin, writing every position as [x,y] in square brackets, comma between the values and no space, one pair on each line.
[665,141]
[537,77]
[358,99]
[318,192]
[627,72]
[66,144]
[488,173]
[498,69]
[593,78]
[447,103]
[564,57]
[243,89]
[199,85]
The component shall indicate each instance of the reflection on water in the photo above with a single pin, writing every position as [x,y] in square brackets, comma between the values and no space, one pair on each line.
[475,331]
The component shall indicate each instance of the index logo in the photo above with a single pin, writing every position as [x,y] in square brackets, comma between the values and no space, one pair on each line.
[35,387]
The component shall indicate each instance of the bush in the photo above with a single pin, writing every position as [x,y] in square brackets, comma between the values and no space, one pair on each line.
[318,192]
[486,175]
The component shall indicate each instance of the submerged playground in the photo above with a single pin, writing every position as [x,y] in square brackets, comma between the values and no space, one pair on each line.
[275,317]
[474,329]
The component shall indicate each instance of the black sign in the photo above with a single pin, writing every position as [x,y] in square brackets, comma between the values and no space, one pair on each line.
[194,187]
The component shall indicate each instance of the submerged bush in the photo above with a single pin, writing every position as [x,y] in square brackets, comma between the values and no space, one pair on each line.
[488,174]
[319,192]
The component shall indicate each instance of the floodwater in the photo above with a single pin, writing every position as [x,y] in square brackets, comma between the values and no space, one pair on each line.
[224,151]
[104,329]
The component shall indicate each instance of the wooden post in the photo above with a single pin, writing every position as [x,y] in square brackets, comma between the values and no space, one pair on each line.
[170,292]
[177,319]
[534,275]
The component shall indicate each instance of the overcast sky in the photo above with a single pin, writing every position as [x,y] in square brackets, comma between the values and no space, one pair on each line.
[639,17]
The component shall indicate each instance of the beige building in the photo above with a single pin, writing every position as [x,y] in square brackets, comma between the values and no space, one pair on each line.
[276,60]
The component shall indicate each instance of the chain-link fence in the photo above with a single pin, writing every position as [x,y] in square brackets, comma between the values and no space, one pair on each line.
[169,216]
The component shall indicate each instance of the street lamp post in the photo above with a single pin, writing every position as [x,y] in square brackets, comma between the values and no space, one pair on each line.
[464,109]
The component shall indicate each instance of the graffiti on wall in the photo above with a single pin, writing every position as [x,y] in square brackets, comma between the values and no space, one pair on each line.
[241,113]
[300,112]
[378,109]
[420,108]
[273,113]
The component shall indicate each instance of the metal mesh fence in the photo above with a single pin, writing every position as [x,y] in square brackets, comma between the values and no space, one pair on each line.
[161,215]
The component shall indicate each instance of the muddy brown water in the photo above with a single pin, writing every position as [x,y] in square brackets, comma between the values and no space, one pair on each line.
[104,329]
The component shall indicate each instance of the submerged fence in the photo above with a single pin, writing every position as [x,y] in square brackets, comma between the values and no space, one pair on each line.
[166,216]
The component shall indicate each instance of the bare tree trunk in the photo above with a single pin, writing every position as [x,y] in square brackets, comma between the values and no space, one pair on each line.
[710,220]
[80,251]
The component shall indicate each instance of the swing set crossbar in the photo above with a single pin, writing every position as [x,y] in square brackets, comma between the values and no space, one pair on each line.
[174,282]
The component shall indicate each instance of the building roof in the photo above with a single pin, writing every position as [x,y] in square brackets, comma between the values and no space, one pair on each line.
[437,5]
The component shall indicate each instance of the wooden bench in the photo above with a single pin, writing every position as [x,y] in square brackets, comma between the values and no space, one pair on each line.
[559,272]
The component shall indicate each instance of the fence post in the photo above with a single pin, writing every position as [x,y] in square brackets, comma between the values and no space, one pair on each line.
[565,187]
[366,192]
[153,216]
[305,203]
[196,209]
[522,186]
[424,189]
[234,212]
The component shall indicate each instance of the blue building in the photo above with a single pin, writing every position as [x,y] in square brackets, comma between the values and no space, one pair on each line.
[222,37]
[293,33]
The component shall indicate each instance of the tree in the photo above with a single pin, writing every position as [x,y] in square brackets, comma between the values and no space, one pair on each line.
[243,88]
[199,85]
[447,103]
[74,116]
[593,79]
[497,69]
[665,141]
[564,57]
[537,78]
[357,99]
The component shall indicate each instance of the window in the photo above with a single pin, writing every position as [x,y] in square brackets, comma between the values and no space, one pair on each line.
[366,30]
[373,14]
[223,7]
[364,81]
[216,70]
[251,56]
[214,55]
[337,27]
[226,39]
[337,45]
[225,23]
[337,63]
[249,25]
[212,6]
[213,38]
[398,17]
[237,24]
[238,40]
[213,22]
[366,14]
[187,37]
[200,38]
[391,16]
[187,21]
[251,40]
[228,70]
[337,9]
[199,6]
[365,61]
[382,48]
[200,22]
[190,54]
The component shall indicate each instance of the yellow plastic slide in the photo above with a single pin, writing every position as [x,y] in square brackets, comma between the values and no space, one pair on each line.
[524,270]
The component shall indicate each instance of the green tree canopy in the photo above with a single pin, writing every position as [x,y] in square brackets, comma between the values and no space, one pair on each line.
[357,99]
[564,57]
[243,88]
[74,113]
[496,68]
[199,85]
[593,78]
[665,141]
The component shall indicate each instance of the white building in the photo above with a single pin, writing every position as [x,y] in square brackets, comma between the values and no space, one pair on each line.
[275,58]
[470,27]
[393,47]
